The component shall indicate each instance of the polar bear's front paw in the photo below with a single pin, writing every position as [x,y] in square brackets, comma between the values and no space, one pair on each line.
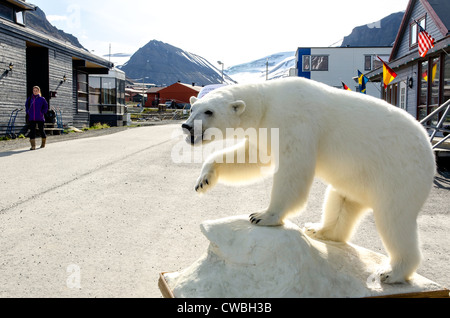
[207,180]
[266,218]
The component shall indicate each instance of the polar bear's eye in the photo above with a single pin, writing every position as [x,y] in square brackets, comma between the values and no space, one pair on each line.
[209,113]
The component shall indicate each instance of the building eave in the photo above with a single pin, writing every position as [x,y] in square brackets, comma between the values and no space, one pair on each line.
[22,5]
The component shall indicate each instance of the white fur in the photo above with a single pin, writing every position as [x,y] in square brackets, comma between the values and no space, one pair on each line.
[373,155]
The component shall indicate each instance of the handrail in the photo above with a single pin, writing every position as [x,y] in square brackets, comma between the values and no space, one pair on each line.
[440,123]
[437,110]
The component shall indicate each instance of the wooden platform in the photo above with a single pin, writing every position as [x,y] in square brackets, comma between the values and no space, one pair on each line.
[167,292]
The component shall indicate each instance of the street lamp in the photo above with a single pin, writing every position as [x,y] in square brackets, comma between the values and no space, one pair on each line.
[220,63]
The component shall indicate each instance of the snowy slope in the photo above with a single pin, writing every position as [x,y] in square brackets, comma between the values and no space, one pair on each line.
[255,71]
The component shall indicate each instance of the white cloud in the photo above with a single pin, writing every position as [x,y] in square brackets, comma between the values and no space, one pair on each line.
[56,18]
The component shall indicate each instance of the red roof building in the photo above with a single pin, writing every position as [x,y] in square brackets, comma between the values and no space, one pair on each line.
[178,92]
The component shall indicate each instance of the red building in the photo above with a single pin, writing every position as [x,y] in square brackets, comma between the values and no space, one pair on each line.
[178,92]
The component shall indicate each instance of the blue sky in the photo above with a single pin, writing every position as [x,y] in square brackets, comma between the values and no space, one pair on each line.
[233,31]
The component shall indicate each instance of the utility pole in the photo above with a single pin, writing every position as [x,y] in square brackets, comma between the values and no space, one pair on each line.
[220,63]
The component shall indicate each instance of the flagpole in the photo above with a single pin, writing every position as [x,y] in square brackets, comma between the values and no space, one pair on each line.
[375,86]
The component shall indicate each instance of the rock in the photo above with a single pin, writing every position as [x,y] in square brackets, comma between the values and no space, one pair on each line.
[247,261]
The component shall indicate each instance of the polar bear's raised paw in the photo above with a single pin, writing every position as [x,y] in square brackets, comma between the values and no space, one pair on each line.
[207,180]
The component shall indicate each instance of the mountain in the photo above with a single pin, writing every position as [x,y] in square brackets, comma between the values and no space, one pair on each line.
[164,64]
[37,20]
[380,33]
[273,66]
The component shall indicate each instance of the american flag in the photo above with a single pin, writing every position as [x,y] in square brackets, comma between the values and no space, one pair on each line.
[425,41]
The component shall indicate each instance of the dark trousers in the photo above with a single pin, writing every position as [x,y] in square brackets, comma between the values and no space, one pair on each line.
[33,129]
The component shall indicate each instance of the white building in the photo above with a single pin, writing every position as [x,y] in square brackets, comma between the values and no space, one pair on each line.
[337,65]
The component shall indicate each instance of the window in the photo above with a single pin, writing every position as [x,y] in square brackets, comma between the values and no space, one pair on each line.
[94,94]
[446,80]
[446,86]
[6,12]
[403,95]
[19,18]
[429,86]
[306,63]
[106,95]
[392,94]
[371,62]
[108,91]
[414,31]
[367,62]
[82,91]
[315,63]
[121,92]
[435,81]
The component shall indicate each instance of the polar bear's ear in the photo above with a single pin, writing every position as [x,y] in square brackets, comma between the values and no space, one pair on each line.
[193,100]
[238,107]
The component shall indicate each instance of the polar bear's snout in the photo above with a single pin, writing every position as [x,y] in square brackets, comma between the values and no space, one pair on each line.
[187,128]
[191,138]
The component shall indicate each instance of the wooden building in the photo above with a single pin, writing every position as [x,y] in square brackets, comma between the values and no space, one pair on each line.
[180,93]
[153,98]
[422,83]
[29,58]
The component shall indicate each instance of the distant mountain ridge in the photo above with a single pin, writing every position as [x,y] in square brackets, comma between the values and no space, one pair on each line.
[164,64]
[380,33]
[37,20]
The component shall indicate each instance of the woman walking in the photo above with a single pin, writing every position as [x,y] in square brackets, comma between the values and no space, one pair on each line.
[36,107]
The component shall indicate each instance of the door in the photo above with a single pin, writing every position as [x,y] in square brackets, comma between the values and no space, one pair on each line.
[37,70]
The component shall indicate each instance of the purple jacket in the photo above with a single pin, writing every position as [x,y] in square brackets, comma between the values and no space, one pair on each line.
[36,107]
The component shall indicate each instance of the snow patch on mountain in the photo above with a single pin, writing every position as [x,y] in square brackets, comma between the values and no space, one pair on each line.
[271,67]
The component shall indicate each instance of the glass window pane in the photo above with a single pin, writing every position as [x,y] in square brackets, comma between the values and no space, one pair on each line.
[82,91]
[447,79]
[319,63]
[6,12]
[423,84]
[94,90]
[413,34]
[368,63]
[306,63]
[435,83]
[108,91]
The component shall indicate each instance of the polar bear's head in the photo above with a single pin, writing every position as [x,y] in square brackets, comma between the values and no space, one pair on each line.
[217,111]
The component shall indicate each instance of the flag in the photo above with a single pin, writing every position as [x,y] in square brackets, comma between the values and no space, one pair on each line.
[425,41]
[362,81]
[388,73]
[345,87]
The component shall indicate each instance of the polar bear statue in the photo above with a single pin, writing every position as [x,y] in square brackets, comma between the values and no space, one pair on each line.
[373,155]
